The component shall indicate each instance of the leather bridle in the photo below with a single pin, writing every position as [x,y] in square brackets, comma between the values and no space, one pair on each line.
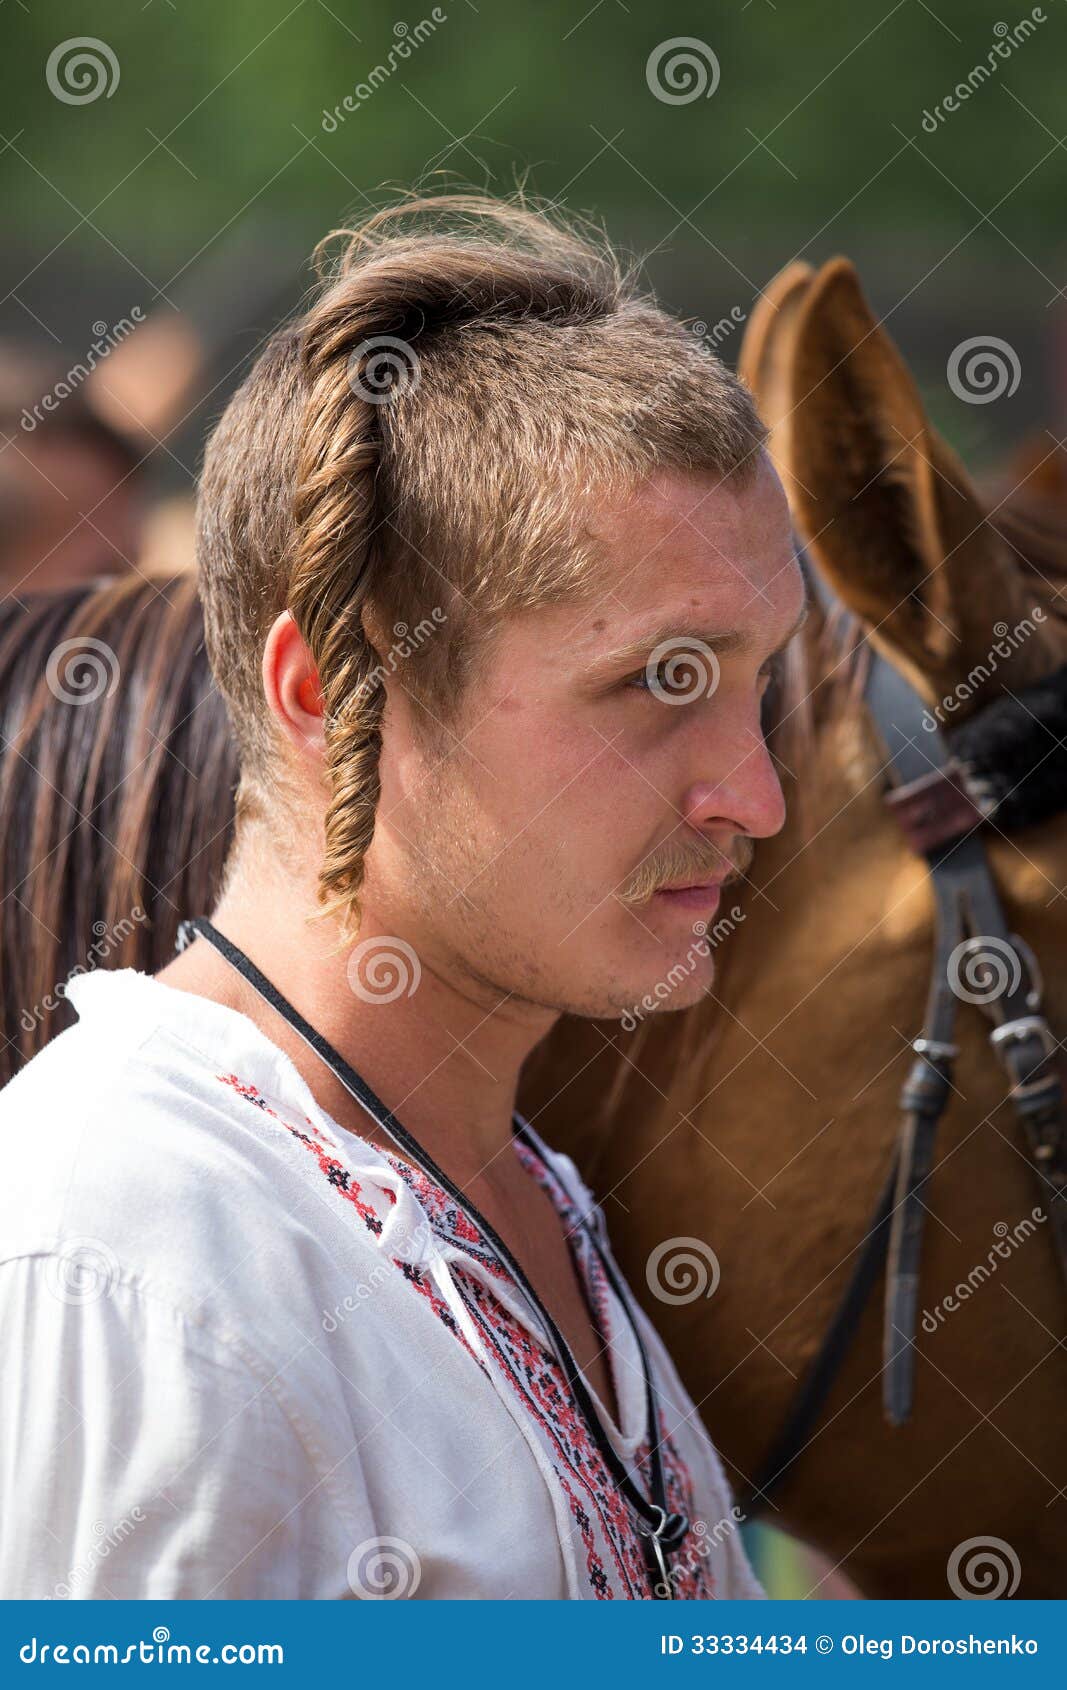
[946,790]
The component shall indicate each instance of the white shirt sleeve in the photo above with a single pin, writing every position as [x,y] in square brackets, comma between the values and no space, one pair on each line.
[142,1455]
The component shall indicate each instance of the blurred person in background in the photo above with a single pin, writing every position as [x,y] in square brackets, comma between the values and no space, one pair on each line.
[71,497]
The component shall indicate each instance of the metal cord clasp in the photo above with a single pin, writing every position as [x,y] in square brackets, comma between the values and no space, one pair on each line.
[662,1539]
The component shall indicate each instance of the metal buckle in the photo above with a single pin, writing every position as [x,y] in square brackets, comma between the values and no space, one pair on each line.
[934,1050]
[1015,1032]
[1025,1027]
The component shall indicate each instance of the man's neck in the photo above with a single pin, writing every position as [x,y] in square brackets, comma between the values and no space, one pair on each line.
[444,1060]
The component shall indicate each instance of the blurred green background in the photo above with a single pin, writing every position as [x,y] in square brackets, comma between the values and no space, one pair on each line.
[191,163]
[203,172]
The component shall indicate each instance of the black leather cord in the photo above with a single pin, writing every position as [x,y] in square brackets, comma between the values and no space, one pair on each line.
[667,1528]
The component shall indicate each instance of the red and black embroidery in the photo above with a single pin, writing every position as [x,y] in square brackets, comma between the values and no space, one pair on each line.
[531,1371]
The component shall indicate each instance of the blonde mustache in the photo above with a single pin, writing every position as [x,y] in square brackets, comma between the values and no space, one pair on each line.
[680,864]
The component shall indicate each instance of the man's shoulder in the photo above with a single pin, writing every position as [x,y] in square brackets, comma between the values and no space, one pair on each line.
[130,1148]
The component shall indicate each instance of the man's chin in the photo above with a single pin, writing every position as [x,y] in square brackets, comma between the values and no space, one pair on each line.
[685,983]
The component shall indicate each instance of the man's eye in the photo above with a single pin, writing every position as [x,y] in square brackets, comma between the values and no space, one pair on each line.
[681,674]
[646,680]
[667,681]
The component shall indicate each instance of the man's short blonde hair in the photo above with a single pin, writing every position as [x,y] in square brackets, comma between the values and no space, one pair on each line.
[420,447]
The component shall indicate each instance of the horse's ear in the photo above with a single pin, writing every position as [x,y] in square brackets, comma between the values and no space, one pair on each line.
[765,363]
[884,503]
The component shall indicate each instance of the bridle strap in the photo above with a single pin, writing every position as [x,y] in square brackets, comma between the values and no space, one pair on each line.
[816,1384]
[940,814]
[972,941]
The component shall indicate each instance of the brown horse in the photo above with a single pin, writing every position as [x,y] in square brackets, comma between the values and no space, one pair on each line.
[760,1124]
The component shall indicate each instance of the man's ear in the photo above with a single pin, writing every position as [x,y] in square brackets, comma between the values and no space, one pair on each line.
[291,685]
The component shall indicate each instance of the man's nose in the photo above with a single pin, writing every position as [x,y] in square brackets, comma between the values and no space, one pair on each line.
[747,797]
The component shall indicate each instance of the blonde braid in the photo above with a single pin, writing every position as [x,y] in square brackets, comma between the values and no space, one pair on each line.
[334,513]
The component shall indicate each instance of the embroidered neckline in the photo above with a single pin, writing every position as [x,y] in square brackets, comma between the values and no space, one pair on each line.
[531,1372]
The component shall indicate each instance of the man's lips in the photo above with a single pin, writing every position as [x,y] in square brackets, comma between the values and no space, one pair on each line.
[697,895]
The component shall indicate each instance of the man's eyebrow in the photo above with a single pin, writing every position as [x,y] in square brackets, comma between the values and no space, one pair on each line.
[724,642]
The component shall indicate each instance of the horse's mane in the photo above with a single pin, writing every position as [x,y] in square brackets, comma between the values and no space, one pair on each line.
[1037,536]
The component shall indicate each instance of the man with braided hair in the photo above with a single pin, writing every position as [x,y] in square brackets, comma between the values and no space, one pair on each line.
[495,570]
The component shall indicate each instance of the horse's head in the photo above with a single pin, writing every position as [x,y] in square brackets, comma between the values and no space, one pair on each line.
[963,595]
